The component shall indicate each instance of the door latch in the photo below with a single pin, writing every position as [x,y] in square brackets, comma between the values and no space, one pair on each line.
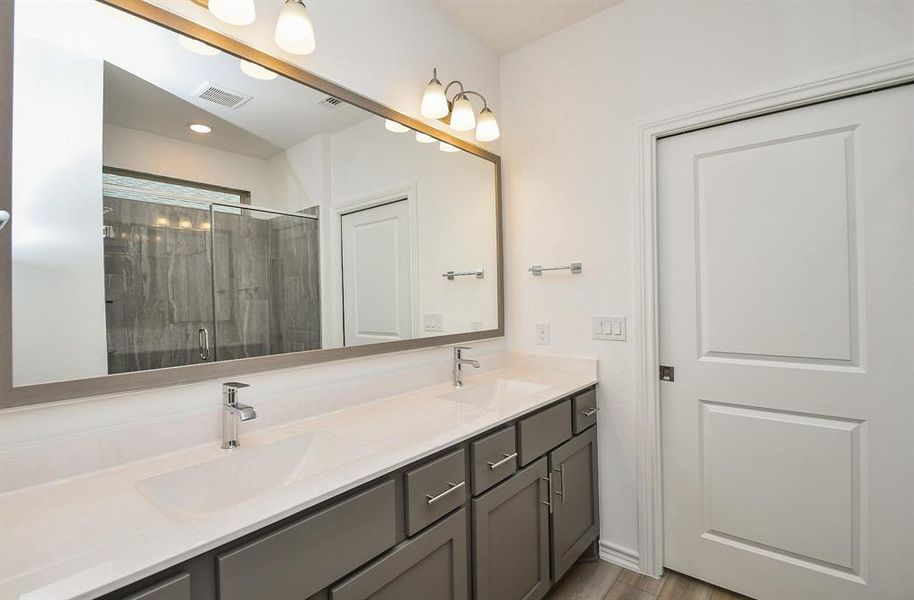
[667,373]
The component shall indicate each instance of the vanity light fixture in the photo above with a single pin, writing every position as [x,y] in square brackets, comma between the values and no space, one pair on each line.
[197,47]
[394,127]
[257,72]
[458,112]
[233,12]
[445,147]
[424,138]
[294,31]
[200,128]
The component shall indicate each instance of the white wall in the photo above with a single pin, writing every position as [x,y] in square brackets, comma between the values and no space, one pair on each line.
[57,266]
[455,205]
[571,104]
[268,180]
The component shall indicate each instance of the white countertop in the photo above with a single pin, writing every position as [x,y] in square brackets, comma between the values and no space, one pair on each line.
[84,536]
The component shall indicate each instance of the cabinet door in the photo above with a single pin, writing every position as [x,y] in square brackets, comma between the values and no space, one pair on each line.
[431,566]
[575,515]
[511,538]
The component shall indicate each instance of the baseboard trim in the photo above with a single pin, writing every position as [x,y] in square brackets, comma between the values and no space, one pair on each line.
[619,555]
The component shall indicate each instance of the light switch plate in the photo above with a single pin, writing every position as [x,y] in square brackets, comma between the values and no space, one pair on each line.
[608,327]
[433,322]
[542,334]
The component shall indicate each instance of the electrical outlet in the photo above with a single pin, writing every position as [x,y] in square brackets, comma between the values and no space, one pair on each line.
[542,334]
[433,322]
[608,327]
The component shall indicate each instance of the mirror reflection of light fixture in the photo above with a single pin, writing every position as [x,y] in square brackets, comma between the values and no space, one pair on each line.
[256,71]
[233,12]
[394,127]
[445,147]
[424,138]
[294,31]
[197,47]
[458,113]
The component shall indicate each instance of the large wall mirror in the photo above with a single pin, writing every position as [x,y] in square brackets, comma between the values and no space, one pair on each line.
[179,205]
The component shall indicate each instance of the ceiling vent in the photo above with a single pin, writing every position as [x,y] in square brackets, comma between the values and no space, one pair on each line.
[221,95]
[329,101]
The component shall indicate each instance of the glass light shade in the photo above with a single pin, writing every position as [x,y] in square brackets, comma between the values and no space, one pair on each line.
[233,12]
[256,71]
[294,31]
[394,127]
[197,47]
[445,147]
[462,116]
[487,127]
[423,138]
[434,102]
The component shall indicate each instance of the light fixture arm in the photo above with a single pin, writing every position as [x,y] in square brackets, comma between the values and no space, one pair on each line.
[448,86]
[485,104]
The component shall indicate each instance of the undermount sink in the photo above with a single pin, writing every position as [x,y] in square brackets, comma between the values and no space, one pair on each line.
[492,392]
[244,473]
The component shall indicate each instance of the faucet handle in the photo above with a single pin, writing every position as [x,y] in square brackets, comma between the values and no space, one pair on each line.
[234,385]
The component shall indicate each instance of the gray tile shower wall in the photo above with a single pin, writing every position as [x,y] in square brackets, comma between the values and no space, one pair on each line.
[159,276]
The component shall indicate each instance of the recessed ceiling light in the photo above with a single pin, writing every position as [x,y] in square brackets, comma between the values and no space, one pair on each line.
[197,47]
[424,138]
[200,128]
[395,127]
[256,71]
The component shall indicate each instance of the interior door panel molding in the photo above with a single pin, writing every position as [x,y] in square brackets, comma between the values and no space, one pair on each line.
[850,80]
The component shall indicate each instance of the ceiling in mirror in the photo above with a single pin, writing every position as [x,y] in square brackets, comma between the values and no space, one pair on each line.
[174,205]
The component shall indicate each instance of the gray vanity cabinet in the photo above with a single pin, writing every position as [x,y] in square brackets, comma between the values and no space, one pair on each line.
[174,588]
[511,537]
[430,566]
[575,514]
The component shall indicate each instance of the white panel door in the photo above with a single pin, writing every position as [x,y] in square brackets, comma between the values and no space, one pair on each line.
[377,274]
[786,261]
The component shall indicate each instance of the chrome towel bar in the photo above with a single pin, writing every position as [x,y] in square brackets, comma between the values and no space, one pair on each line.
[574,267]
[479,273]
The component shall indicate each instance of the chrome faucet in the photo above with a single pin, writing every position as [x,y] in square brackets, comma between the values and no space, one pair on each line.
[459,361]
[232,412]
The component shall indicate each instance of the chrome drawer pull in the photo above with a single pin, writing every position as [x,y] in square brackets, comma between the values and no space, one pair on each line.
[548,502]
[507,458]
[561,471]
[453,486]
[591,412]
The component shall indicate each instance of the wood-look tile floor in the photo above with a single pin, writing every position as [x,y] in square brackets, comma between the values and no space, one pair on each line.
[600,580]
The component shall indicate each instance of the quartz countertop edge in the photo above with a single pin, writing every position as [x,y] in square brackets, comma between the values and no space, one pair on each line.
[32,517]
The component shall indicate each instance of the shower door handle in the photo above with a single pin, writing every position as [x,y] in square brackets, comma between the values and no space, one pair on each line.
[203,337]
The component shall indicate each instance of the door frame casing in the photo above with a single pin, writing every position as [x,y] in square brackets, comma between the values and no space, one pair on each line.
[859,78]
[408,192]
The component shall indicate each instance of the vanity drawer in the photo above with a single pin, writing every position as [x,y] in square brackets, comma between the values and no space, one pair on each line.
[435,489]
[544,431]
[175,588]
[494,459]
[585,409]
[308,555]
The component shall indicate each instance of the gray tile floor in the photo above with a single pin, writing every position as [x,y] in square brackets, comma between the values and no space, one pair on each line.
[601,580]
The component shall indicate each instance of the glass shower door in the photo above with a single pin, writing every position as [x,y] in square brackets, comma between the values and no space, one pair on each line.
[266,281]
[158,283]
